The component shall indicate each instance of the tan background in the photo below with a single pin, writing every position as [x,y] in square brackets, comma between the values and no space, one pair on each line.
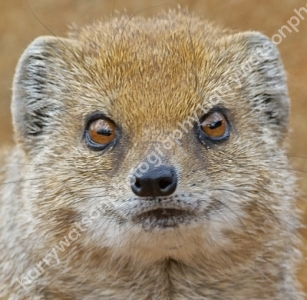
[19,26]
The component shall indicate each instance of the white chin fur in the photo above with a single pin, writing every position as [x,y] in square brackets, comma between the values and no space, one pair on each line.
[128,240]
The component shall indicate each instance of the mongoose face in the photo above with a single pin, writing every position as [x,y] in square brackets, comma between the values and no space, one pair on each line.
[162,137]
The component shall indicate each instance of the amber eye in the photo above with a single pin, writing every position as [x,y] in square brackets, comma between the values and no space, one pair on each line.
[214,126]
[100,133]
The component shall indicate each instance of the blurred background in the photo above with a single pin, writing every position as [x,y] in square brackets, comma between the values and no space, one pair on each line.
[21,22]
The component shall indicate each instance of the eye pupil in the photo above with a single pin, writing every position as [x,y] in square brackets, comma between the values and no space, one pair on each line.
[215,125]
[104,131]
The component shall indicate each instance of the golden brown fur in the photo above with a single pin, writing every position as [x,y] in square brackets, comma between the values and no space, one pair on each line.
[149,76]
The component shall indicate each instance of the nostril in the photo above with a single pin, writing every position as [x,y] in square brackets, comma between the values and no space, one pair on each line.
[138,183]
[164,183]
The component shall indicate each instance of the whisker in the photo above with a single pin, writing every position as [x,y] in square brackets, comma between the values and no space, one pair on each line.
[21,180]
[138,12]
[42,23]
[258,202]
[296,155]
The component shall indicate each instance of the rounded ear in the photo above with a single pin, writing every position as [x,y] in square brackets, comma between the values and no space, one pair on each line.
[264,83]
[39,79]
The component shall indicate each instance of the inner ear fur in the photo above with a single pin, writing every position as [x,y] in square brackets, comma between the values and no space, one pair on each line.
[39,78]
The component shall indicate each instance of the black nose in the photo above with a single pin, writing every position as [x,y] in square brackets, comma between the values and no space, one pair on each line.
[159,181]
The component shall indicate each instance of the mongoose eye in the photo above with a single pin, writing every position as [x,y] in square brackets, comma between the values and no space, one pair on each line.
[214,126]
[100,133]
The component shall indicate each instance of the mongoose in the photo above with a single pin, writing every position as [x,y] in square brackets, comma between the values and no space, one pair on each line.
[150,163]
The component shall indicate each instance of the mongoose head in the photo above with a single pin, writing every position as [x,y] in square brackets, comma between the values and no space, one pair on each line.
[162,137]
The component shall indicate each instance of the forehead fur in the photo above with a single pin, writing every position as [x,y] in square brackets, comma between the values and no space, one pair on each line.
[155,71]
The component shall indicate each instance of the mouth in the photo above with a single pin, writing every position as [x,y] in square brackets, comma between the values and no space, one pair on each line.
[163,218]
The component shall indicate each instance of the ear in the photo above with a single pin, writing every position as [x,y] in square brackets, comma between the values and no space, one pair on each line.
[264,84]
[40,78]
